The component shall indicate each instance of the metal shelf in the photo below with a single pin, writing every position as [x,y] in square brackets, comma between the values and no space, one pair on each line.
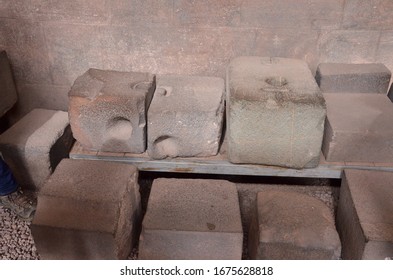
[220,165]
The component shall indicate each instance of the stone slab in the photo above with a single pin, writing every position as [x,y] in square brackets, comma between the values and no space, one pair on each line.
[185,117]
[192,219]
[353,78]
[275,112]
[108,110]
[35,145]
[87,210]
[8,94]
[358,128]
[292,226]
[365,214]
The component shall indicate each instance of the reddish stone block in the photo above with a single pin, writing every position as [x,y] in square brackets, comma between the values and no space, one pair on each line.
[208,13]
[185,117]
[35,145]
[25,44]
[385,47]
[108,110]
[192,219]
[348,46]
[358,128]
[292,226]
[87,210]
[371,14]
[353,78]
[148,12]
[288,14]
[365,215]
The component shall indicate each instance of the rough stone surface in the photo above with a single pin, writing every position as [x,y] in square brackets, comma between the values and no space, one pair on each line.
[358,128]
[353,78]
[35,145]
[192,219]
[8,94]
[87,210]
[290,225]
[275,112]
[365,214]
[185,117]
[108,110]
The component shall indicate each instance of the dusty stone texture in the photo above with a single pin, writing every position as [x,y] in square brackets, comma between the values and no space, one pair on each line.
[358,128]
[365,215]
[353,78]
[87,210]
[348,46]
[108,110]
[371,14]
[192,219]
[35,145]
[290,226]
[185,117]
[8,94]
[275,112]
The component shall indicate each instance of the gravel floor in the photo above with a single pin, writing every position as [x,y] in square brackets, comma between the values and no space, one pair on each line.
[16,242]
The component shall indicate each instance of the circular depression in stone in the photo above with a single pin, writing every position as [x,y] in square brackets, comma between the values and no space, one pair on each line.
[277,81]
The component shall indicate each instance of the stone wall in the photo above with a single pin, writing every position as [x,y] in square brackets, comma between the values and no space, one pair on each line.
[51,42]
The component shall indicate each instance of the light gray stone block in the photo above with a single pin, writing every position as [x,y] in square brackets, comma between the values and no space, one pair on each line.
[88,210]
[353,78]
[358,128]
[35,145]
[292,226]
[8,94]
[275,112]
[185,117]
[365,215]
[108,110]
[192,219]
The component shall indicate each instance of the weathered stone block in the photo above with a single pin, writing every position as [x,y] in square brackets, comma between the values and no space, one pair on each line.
[275,112]
[36,144]
[8,94]
[358,128]
[185,117]
[108,110]
[87,210]
[290,226]
[365,214]
[353,78]
[192,219]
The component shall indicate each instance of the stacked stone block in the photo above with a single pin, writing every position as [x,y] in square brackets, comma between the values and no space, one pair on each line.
[365,214]
[358,128]
[275,112]
[108,110]
[8,94]
[35,145]
[353,78]
[192,219]
[292,226]
[87,210]
[185,117]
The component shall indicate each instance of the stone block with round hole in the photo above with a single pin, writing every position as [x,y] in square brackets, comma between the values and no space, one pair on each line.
[185,117]
[275,112]
[107,110]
